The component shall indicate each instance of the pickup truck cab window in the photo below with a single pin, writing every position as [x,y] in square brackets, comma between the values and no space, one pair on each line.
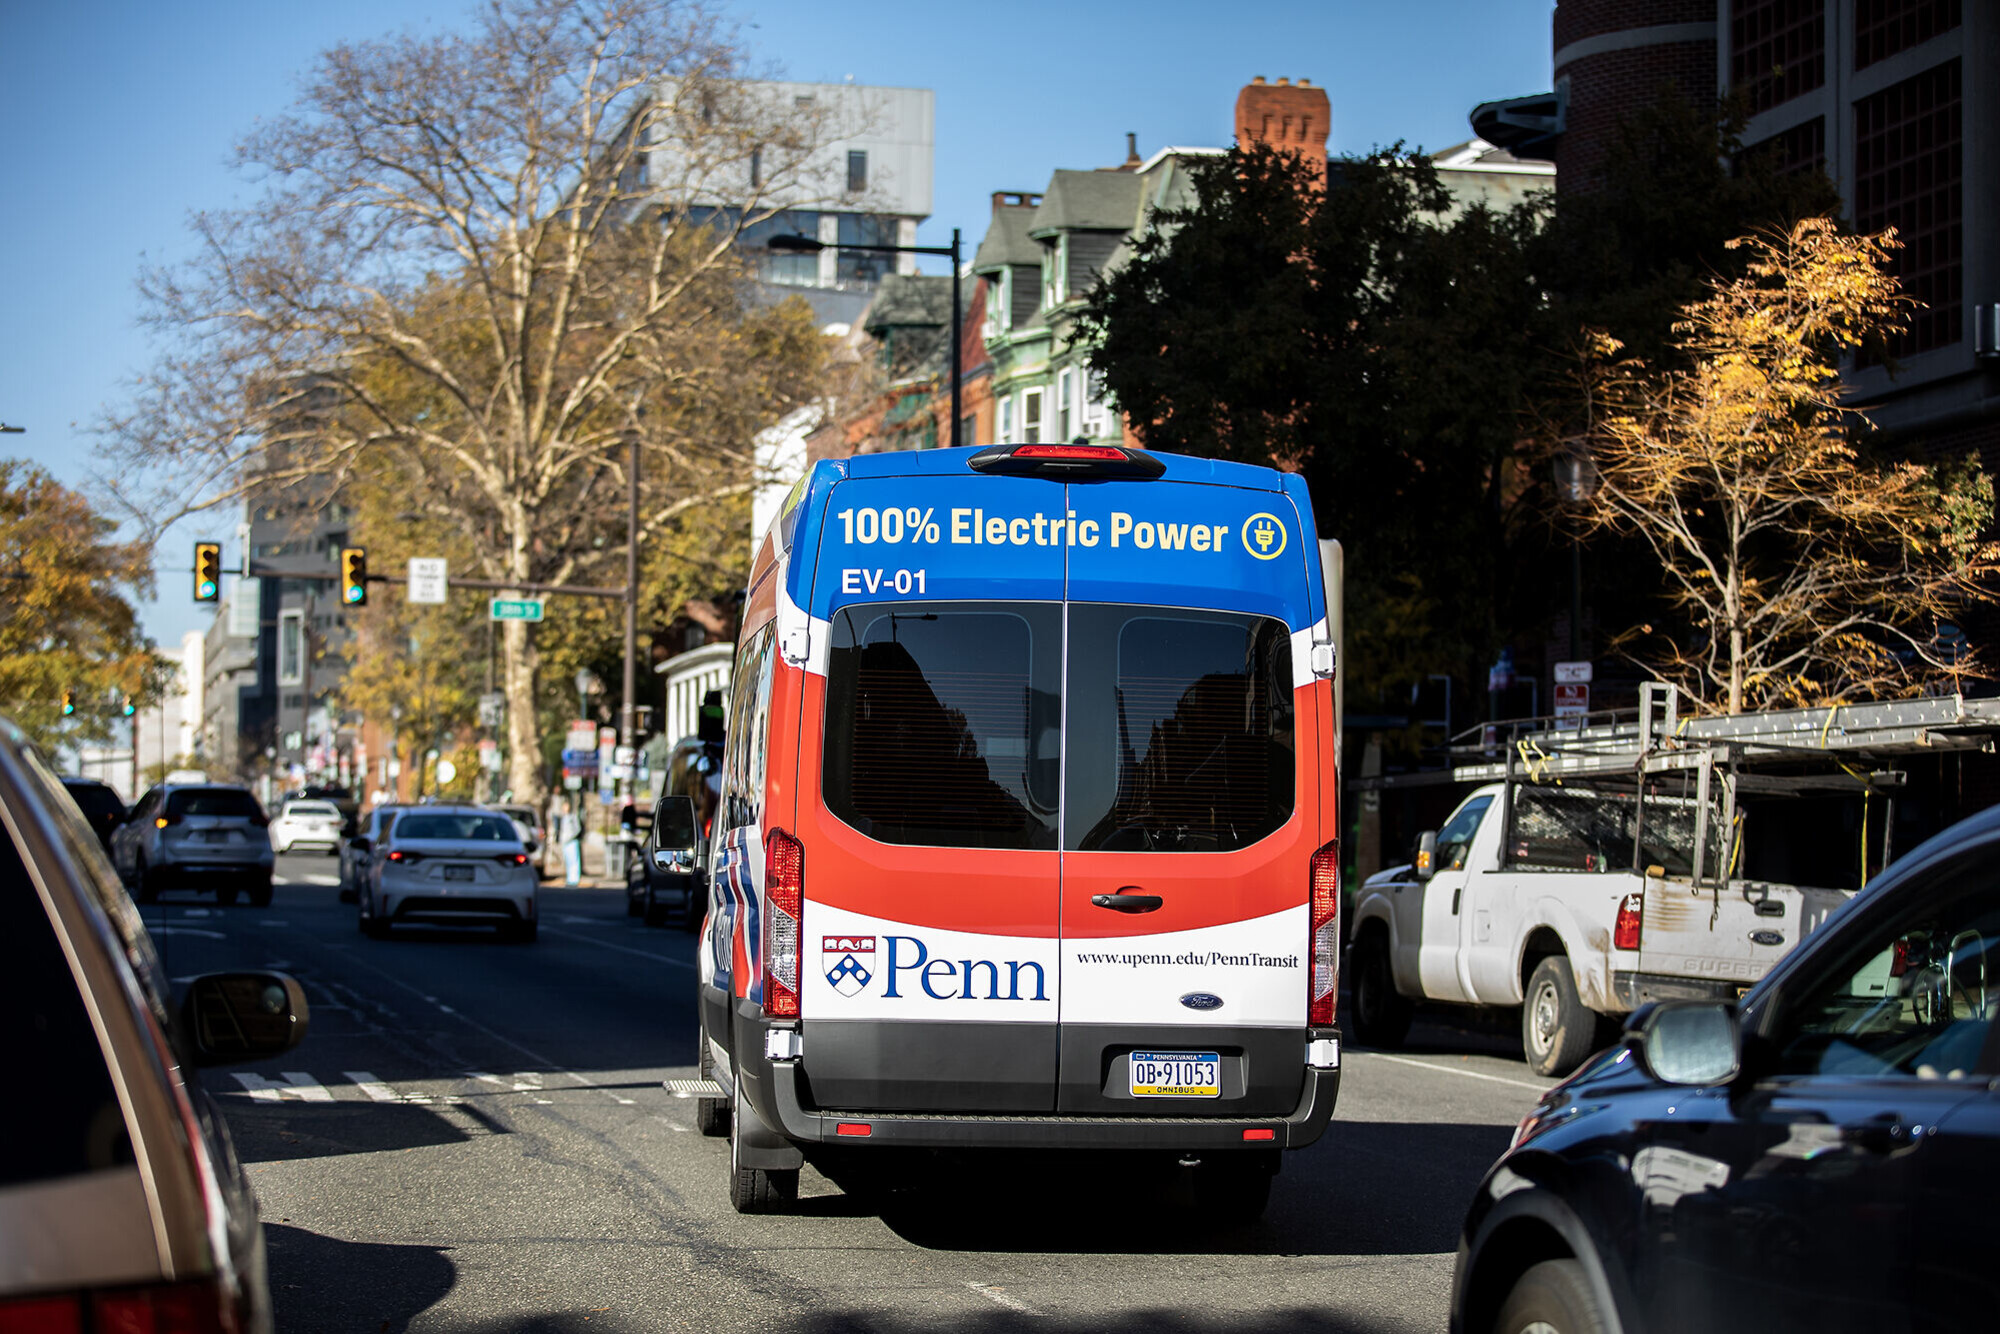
[1455,839]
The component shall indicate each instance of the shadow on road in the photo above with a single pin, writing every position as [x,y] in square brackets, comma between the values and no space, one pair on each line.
[1369,1188]
[277,1132]
[323,1283]
[872,1320]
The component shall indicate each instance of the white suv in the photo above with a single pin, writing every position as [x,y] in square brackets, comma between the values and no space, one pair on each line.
[309,823]
[197,836]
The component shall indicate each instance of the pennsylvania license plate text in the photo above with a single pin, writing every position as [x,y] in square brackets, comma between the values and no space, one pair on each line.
[1176,1074]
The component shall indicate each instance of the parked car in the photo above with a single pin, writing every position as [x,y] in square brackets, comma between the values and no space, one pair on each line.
[202,837]
[358,849]
[665,880]
[530,819]
[451,866]
[122,1202]
[308,822]
[100,804]
[341,797]
[1821,1155]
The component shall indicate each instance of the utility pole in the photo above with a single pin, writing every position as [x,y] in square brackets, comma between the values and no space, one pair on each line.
[627,714]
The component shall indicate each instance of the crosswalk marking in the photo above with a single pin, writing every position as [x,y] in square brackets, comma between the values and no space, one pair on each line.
[526,1081]
[294,1084]
[377,1091]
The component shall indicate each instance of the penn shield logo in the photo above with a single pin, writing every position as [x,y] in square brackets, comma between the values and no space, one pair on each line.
[849,962]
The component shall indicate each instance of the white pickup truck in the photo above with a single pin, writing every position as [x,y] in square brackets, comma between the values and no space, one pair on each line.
[1516,902]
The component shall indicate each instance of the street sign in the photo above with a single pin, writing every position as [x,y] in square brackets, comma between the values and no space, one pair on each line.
[492,709]
[1572,673]
[1572,700]
[517,609]
[427,580]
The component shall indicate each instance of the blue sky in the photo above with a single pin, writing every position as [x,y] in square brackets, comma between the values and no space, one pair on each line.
[118,120]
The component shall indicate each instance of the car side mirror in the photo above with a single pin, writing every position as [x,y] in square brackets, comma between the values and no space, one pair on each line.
[234,1017]
[1425,865]
[1690,1042]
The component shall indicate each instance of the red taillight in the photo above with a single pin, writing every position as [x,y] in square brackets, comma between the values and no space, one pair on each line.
[784,905]
[42,1315]
[407,858]
[178,1308]
[1899,961]
[1625,935]
[168,1308]
[1260,1134]
[1094,452]
[511,858]
[1325,923]
[854,1128]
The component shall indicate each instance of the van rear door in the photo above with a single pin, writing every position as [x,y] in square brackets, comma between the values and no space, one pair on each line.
[929,753]
[1192,800]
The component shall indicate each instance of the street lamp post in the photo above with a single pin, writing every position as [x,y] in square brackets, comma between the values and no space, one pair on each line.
[811,246]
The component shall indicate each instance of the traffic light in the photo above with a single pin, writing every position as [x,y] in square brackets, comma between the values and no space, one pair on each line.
[207,571]
[69,701]
[130,708]
[354,576]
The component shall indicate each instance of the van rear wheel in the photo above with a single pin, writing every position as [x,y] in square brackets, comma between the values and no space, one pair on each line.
[1381,1016]
[757,1190]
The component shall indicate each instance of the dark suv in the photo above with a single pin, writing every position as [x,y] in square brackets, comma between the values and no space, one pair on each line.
[102,810]
[1819,1156]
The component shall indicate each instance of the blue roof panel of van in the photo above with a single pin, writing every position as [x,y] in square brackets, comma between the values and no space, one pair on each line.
[1180,467]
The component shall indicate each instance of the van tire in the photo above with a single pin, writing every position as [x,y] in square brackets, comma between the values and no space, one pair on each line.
[1553,1295]
[758,1190]
[1381,1015]
[225,896]
[260,892]
[1557,1030]
[1233,1189]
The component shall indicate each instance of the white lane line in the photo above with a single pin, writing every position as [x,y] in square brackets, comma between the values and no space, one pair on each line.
[185,931]
[622,949]
[268,921]
[1454,1070]
[672,1124]
[993,1292]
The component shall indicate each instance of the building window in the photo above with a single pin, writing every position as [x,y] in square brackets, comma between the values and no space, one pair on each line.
[1909,174]
[1801,148]
[968,429]
[1064,384]
[1884,27]
[1098,417]
[1777,49]
[756,168]
[857,170]
[1006,432]
[291,648]
[1031,417]
[865,267]
[996,305]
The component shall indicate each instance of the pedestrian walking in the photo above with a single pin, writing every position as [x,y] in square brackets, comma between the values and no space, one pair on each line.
[569,830]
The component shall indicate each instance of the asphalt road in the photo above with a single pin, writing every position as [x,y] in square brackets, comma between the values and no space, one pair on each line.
[474,1137]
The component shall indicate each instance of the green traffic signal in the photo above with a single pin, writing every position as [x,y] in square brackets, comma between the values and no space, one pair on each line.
[207,571]
[354,576]
[130,708]
[68,701]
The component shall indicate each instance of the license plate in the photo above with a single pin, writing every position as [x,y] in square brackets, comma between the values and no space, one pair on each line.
[458,873]
[211,836]
[1176,1074]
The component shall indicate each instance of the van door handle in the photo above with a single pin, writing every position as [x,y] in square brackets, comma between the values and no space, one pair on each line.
[1124,902]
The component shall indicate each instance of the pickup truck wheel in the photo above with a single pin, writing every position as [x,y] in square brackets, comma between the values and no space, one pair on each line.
[1557,1030]
[1381,1016]
[1553,1297]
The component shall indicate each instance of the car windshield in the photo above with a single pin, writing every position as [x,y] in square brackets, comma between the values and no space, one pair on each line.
[325,808]
[467,827]
[227,802]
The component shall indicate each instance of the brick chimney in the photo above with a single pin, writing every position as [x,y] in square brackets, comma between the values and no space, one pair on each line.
[1285,115]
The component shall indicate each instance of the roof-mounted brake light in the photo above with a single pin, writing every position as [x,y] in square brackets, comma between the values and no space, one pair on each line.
[1079,460]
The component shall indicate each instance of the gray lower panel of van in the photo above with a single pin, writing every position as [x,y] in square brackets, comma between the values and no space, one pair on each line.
[1263,1069]
[910,1066]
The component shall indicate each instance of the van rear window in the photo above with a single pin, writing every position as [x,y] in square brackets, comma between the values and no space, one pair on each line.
[1181,735]
[944,723]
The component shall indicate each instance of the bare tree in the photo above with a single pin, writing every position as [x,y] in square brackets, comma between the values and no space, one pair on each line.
[1804,570]
[494,255]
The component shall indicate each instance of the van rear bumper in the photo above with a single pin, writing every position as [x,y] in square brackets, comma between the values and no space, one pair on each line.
[787,1114]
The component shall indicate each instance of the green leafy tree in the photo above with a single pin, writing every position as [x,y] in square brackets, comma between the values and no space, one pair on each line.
[66,616]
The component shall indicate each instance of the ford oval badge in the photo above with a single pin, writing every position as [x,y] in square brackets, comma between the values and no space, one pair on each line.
[1202,1000]
[1767,937]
